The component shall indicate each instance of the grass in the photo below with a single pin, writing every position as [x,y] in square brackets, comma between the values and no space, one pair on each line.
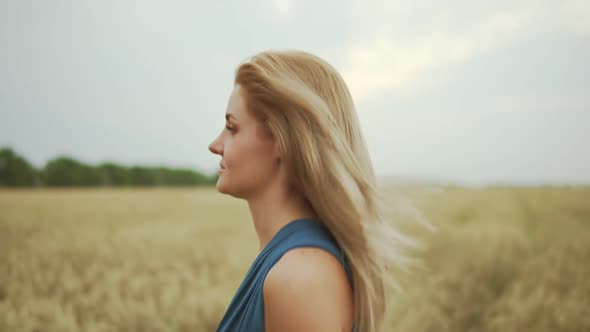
[502,259]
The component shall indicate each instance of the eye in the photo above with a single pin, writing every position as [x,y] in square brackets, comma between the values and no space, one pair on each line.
[229,128]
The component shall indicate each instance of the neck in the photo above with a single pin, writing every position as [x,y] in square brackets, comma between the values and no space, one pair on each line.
[273,209]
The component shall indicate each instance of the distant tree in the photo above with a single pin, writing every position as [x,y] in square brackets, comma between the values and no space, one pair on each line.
[114,175]
[15,170]
[141,176]
[65,171]
[180,177]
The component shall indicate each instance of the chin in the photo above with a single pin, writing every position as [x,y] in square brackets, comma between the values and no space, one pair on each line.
[224,189]
[221,188]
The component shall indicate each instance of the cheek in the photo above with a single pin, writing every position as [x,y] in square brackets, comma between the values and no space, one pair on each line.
[243,150]
[251,163]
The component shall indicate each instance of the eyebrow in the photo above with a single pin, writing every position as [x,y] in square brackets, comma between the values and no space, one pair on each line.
[229,115]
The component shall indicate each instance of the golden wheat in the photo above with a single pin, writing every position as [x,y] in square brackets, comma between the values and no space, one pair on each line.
[168,259]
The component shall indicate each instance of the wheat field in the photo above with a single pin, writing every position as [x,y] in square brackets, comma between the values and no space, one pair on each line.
[170,259]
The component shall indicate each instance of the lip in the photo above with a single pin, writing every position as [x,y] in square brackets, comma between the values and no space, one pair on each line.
[220,170]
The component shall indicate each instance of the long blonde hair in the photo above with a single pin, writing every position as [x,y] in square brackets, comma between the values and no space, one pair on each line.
[306,106]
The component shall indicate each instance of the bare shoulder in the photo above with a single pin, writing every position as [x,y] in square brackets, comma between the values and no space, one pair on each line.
[307,290]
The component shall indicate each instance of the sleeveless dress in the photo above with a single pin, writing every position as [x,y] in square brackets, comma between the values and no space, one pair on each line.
[246,310]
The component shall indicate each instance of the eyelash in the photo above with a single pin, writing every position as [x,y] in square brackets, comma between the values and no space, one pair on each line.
[230,129]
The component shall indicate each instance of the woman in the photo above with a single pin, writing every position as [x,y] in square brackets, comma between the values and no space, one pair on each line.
[293,149]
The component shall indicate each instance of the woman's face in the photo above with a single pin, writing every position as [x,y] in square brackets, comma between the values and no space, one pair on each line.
[249,157]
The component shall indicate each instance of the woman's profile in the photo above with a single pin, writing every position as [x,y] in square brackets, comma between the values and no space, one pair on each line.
[293,149]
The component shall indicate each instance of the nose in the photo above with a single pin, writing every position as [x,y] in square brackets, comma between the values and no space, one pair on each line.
[216,147]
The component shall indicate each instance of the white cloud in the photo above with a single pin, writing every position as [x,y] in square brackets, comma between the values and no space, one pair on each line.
[576,15]
[386,63]
[283,9]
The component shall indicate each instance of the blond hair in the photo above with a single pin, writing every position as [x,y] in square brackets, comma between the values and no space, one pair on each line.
[306,106]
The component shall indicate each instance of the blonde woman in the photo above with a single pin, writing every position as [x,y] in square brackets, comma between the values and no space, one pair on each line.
[293,149]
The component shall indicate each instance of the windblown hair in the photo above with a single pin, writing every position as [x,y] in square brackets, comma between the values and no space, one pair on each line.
[305,105]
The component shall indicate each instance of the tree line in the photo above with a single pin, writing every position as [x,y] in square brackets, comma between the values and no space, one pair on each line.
[63,171]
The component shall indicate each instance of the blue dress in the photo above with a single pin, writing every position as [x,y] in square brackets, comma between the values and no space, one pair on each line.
[246,310]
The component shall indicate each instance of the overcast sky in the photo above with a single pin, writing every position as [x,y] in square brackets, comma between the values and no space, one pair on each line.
[469,91]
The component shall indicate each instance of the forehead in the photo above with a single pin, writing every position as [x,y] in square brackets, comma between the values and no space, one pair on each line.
[236,106]
[237,110]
